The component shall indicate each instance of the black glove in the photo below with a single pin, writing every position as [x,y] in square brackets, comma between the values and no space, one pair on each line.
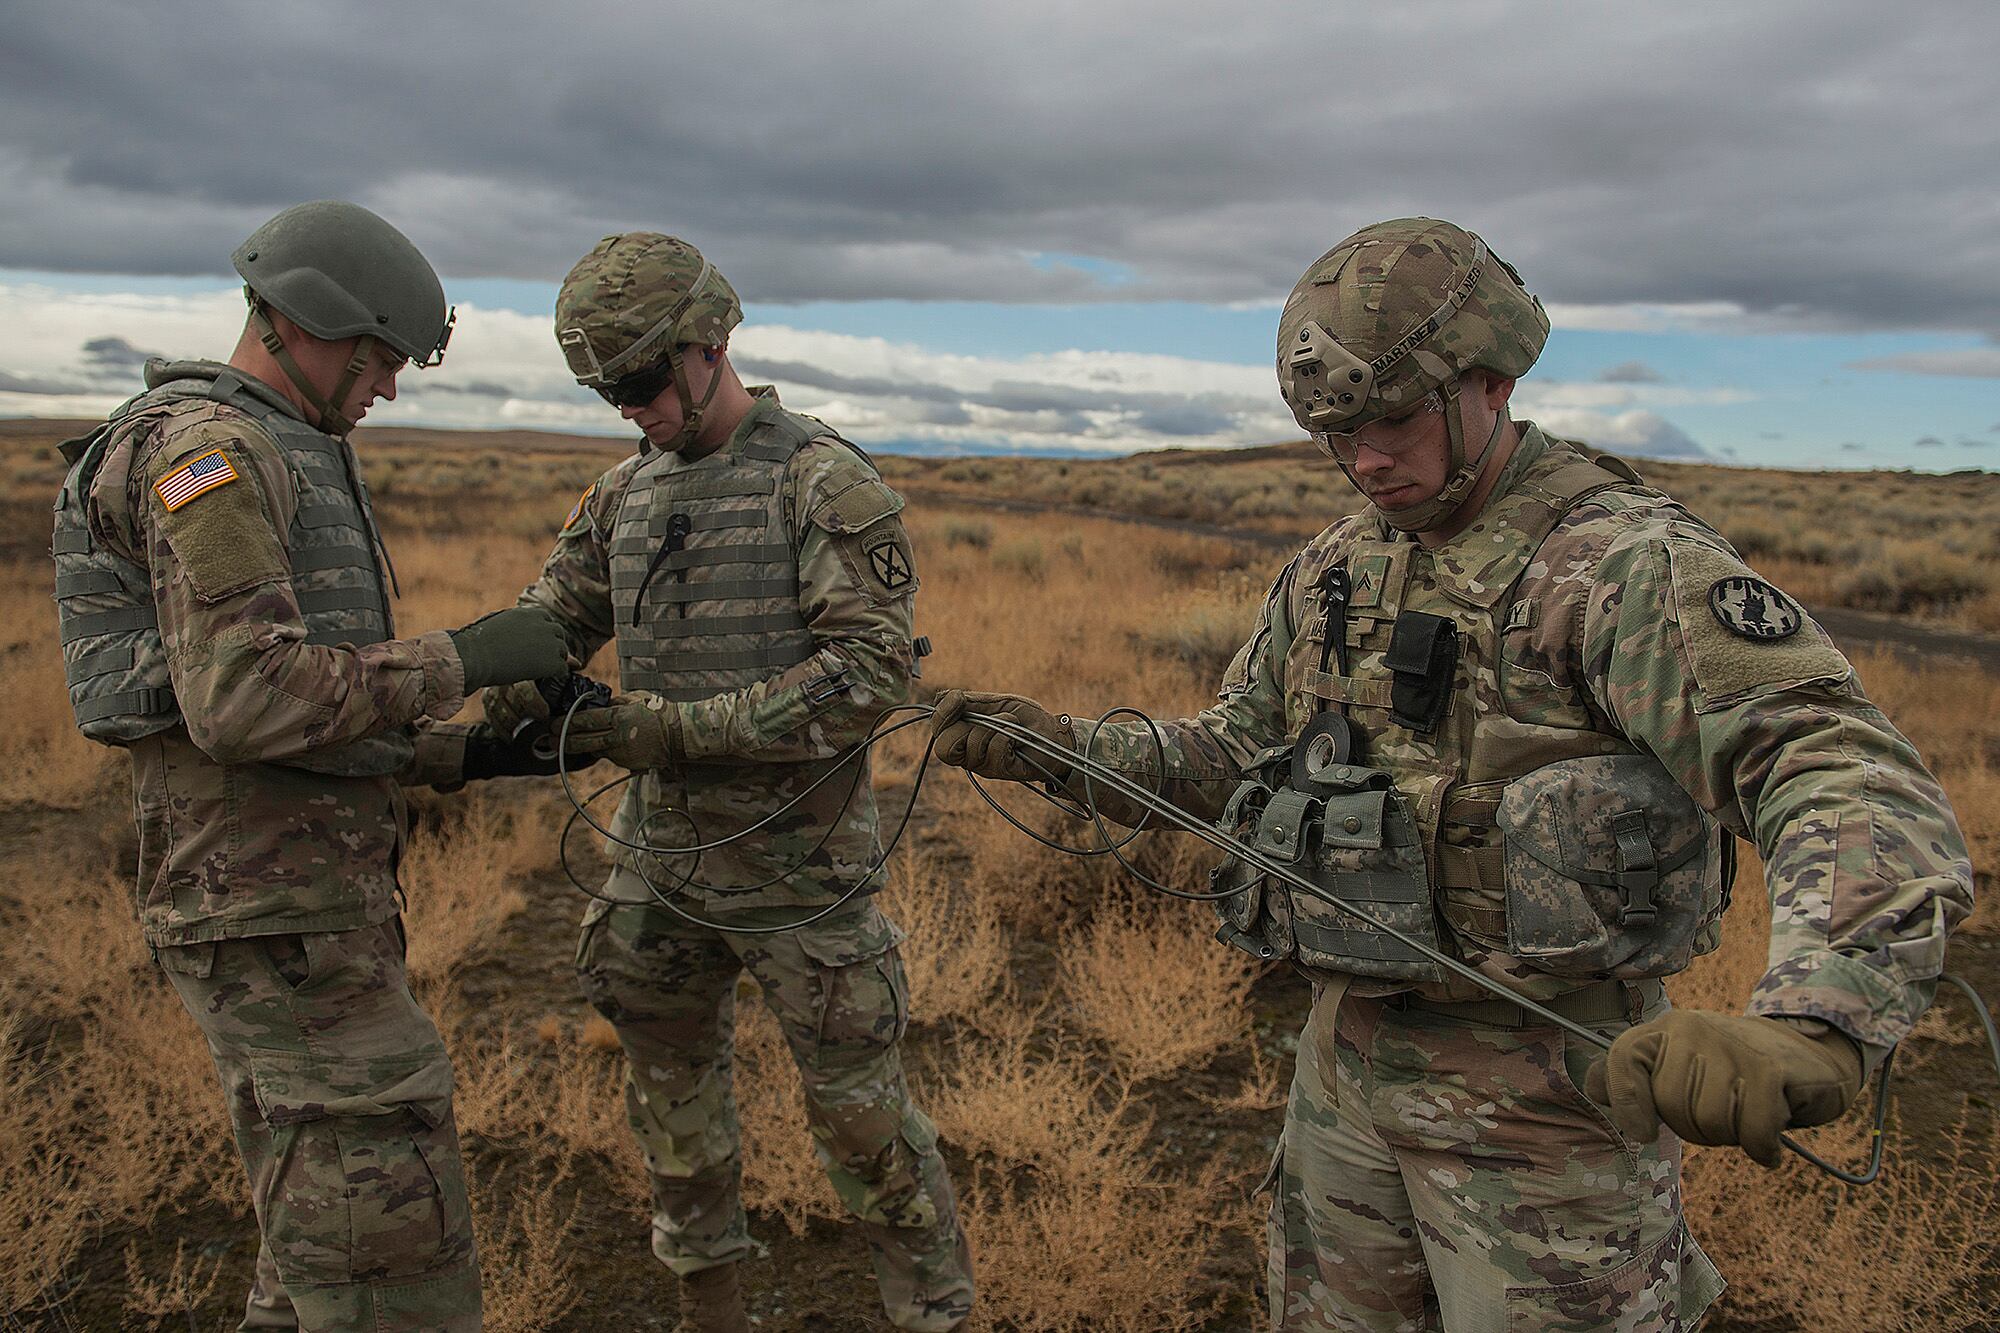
[490,755]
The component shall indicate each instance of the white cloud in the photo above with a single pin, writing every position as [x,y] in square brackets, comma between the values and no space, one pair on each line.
[1640,433]
[503,371]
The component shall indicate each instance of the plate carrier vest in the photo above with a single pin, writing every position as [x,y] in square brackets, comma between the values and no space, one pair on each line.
[704,575]
[113,655]
[1409,826]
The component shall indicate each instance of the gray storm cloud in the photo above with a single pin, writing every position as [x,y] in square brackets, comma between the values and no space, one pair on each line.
[1706,152]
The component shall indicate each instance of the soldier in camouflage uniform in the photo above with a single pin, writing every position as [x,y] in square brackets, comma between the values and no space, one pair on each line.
[224,619]
[754,573]
[1519,705]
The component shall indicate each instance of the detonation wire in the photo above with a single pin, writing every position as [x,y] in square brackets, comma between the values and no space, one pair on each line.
[1150,803]
[657,852]
[1093,772]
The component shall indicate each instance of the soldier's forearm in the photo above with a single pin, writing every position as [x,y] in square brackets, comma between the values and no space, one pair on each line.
[584,617]
[1867,873]
[1197,776]
[811,711]
[252,696]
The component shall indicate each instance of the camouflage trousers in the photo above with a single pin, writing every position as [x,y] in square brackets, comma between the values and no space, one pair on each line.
[838,992]
[339,1092]
[1440,1173]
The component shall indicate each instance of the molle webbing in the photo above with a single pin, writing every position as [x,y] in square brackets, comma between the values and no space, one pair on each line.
[704,572]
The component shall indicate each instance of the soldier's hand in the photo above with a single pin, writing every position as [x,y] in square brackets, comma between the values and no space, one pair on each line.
[962,741]
[519,643]
[490,754]
[641,732]
[1725,1079]
[508,706]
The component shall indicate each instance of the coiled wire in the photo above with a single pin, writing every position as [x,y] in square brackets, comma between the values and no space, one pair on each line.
[1150,802]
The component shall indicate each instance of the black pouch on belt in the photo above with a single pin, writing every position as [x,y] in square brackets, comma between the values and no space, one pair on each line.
[1423,655]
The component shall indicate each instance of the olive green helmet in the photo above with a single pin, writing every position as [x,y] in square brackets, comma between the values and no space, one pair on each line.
[1393,312]
[338,271]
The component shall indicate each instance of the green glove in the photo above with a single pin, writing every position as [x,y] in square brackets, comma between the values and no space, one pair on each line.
[1723,1078]
[979,749]
[641,732]
[520,643]
[508,706]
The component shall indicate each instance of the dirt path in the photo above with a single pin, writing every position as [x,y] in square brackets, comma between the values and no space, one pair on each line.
[1853,630]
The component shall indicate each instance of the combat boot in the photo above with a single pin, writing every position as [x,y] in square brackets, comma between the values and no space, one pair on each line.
[712,1302]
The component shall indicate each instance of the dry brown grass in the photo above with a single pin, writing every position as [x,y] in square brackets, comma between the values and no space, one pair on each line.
[1147,982]
[174,1296]
[1062,1019]
[44,760]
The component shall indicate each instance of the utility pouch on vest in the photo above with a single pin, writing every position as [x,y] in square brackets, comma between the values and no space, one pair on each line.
[1423,655]
[1345,828]
[1611,869]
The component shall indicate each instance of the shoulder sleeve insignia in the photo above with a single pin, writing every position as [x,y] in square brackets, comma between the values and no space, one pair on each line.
[576,510]
[198,476]
[891,562]
[1754,609]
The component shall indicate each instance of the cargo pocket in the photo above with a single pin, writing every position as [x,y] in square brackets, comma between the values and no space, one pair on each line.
[1277,1240]
[910,1200]
[367,1182]
[861,995]
[1667,1286]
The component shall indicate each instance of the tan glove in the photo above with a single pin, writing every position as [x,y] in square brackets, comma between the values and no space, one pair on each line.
[979,749]
[641,732]
[508,706]
[1725,1079]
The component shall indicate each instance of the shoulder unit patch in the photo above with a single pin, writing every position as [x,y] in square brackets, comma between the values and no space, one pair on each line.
[577,510]
[1754,609]
[891,563]
[198,476]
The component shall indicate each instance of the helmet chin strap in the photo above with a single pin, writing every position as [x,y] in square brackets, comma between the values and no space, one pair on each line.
[331,419]
[1440,508]
[691,411]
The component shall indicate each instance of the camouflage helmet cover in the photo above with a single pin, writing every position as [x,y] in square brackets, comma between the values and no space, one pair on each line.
[633,297]
[1394,311]
[338,271]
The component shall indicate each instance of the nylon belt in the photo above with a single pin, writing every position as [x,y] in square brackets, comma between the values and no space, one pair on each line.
[87,581]
[688,629]
[783,655]
[103,661]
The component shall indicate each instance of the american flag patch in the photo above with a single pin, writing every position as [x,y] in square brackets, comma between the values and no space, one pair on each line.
[197,476]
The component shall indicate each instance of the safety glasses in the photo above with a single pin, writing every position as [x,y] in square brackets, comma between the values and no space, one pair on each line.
[638,388]
[1393,437]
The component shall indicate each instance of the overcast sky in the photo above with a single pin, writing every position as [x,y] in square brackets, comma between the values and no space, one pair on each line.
[1768,232]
